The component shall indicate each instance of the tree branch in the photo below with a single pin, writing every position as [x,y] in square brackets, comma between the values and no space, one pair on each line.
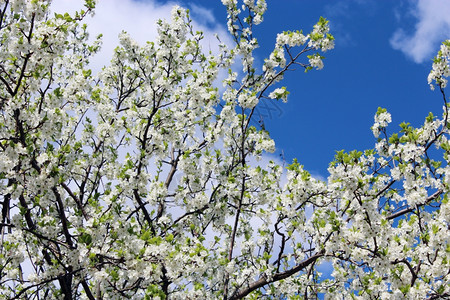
[410,209]
[239,294]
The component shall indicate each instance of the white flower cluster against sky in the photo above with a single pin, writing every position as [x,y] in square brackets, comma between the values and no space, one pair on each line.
[216,167]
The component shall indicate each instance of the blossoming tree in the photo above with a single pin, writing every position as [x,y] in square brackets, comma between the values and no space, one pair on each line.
[137,182]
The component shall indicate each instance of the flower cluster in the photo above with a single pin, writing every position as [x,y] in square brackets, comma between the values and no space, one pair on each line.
[441,68]
[279,93]
[382,120]
[320,38]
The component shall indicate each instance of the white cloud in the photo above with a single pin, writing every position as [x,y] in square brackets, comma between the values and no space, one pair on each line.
[138,18]
[203,13]
[432,27]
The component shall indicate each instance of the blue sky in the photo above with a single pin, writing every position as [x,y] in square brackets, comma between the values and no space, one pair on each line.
[382,57]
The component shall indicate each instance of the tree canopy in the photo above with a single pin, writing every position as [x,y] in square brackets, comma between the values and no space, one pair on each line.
[147,181]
